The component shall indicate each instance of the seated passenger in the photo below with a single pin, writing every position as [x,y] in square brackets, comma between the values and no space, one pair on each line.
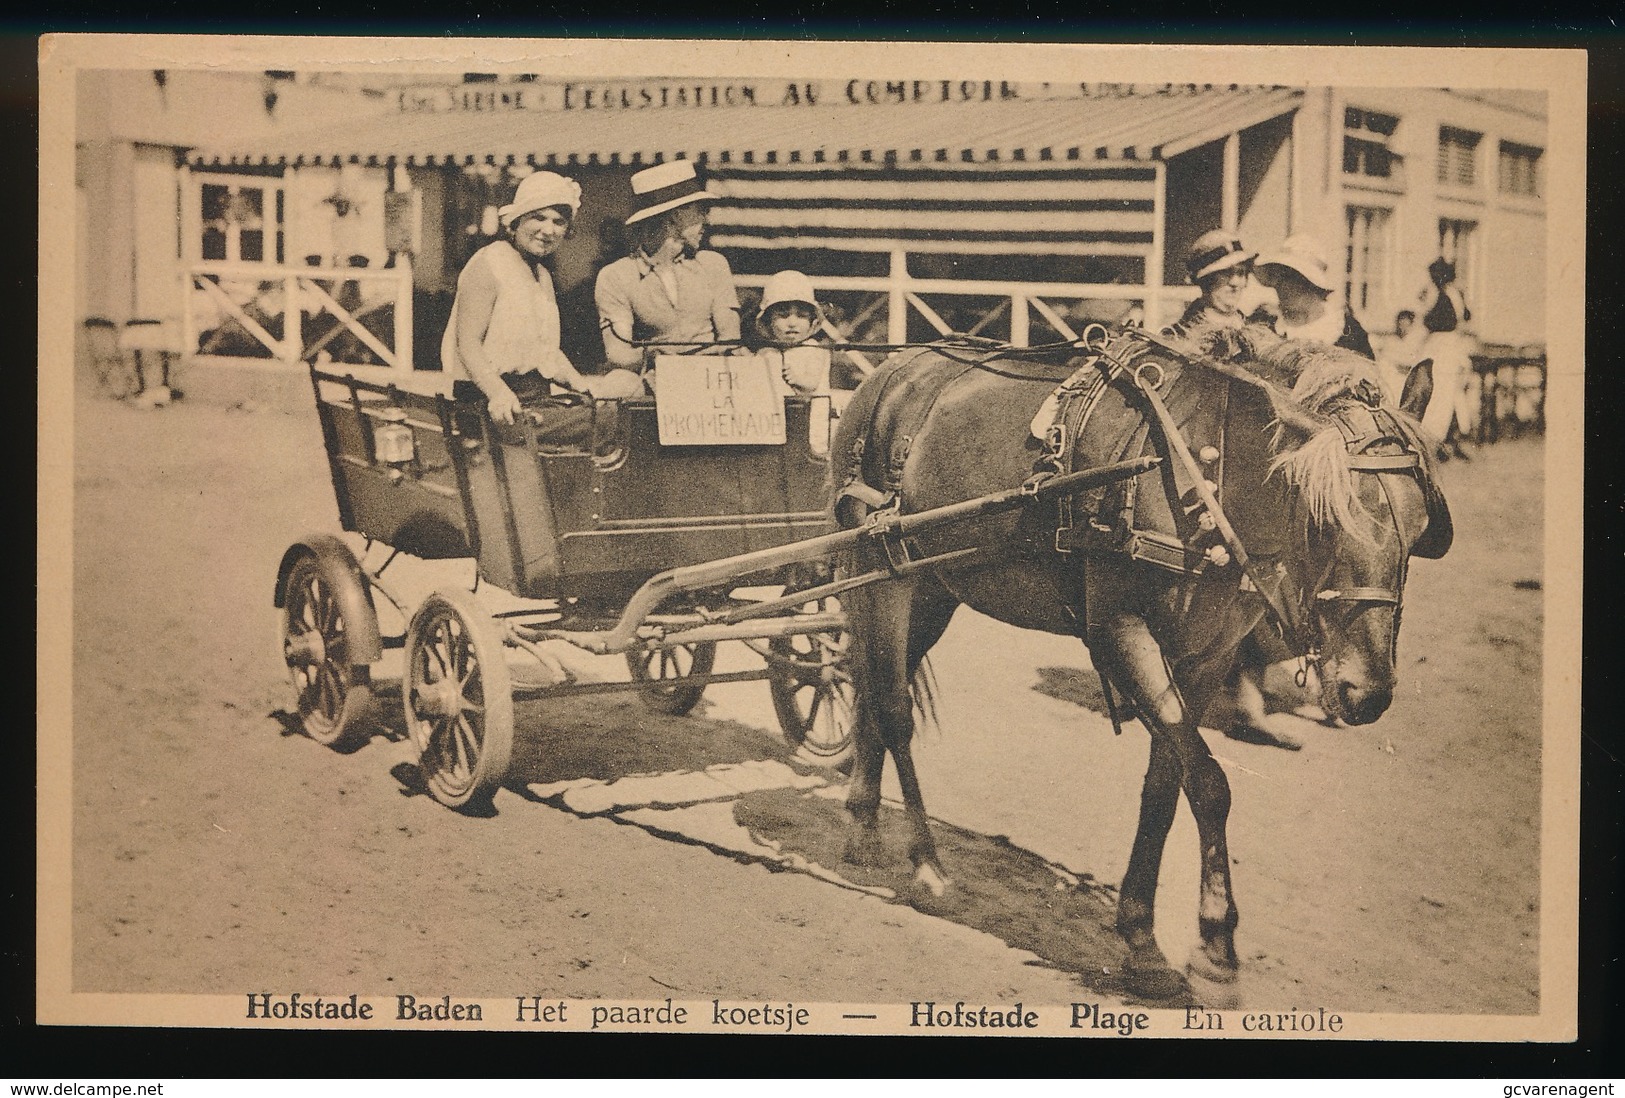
[502,341]
[669,289]
[1221,269]
[790,318]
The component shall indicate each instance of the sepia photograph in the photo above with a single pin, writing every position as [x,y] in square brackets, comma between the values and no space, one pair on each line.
[810,538]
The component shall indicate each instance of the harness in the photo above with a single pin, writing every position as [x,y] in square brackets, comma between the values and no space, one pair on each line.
[1203,536]
[1365,425]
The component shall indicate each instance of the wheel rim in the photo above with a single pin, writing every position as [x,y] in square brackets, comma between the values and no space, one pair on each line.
[815,694]
[663,665]
[446,703]
[315,647]
[662,671]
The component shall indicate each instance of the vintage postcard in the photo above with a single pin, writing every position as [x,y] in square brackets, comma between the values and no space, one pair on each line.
[810,538]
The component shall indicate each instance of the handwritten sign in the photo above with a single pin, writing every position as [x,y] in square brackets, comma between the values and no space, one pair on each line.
[717,400]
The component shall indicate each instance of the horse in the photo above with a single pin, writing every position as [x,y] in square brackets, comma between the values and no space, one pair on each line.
[1286,488]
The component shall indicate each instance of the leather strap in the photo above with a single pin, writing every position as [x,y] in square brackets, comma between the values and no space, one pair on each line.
[1278,611]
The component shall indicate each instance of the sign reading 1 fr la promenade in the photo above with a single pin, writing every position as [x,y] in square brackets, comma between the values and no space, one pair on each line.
[624,95]
[717,400]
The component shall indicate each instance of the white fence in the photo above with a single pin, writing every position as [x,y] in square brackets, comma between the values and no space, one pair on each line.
[359,316]
[888,309]
[350,315]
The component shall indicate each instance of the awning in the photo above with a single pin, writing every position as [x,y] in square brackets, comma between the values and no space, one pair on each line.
[1092,208]
[1048,133]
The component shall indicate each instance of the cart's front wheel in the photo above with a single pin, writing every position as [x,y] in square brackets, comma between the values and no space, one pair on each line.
[813,693]
[459,699]
[661,665]
[334,694]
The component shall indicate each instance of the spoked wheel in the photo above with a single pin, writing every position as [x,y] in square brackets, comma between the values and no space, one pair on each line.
[458,699]
[335,695]
[657,667]
[813,693]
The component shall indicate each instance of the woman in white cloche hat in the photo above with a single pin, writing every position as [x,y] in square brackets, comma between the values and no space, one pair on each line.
[1302,280]
[502,341]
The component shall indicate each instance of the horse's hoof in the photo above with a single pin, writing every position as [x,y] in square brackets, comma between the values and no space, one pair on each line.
[1206,968]
[927,876]
[1211,987]
[1154,980]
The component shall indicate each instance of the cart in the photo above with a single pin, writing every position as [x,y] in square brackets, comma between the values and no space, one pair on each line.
[615,543]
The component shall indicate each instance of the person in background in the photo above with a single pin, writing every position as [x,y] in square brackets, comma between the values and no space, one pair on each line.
[1399,353]
[668,289]
[1306,294]
[1222,269]
[1452,413]
[502,341]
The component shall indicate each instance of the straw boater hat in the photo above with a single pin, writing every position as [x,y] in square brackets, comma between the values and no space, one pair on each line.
[1215,251]
[538,191]
[665,187]
[1305,255]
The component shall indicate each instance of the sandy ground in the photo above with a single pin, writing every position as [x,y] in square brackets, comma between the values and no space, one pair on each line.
[1391,868]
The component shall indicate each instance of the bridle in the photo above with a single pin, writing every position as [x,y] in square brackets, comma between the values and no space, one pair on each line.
[1377,426]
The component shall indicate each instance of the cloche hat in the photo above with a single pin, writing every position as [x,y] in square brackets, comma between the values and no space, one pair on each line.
[1215,251]
[538,191]
[787,286]
[1305,255]
[665,187]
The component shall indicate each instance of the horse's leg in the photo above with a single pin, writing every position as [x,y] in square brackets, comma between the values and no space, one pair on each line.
[1179,759]
[1208,791]
[929,613]
[1123,645]
[879,628]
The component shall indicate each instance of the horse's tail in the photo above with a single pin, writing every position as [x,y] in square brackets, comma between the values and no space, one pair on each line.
[923,690]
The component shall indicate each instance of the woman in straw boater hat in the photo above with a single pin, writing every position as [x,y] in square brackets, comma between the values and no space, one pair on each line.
[1221,268]
[502,341]
[667,290]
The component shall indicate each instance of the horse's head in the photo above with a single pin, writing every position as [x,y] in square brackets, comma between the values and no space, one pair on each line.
[1366,500]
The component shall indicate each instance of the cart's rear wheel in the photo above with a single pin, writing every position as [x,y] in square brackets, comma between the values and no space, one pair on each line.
[656,667]
[459,699]
[334,694]
[813,693]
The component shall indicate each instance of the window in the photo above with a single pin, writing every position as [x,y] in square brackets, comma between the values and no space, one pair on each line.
[1366,136]
[1520,169]
[1458,157]
[242,222]
[1456,245]
[1365,268]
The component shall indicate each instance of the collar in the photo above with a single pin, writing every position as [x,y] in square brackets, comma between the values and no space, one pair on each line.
[646,266]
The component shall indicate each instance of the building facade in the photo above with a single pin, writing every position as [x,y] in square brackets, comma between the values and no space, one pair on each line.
[335,219]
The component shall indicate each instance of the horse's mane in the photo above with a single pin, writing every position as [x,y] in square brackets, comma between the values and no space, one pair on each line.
[1306,382]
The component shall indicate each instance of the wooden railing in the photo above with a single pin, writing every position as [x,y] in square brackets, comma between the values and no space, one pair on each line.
[882,309]
[348,315]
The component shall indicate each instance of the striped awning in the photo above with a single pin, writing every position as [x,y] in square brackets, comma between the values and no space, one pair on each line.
[1089,209]
[1010,132]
